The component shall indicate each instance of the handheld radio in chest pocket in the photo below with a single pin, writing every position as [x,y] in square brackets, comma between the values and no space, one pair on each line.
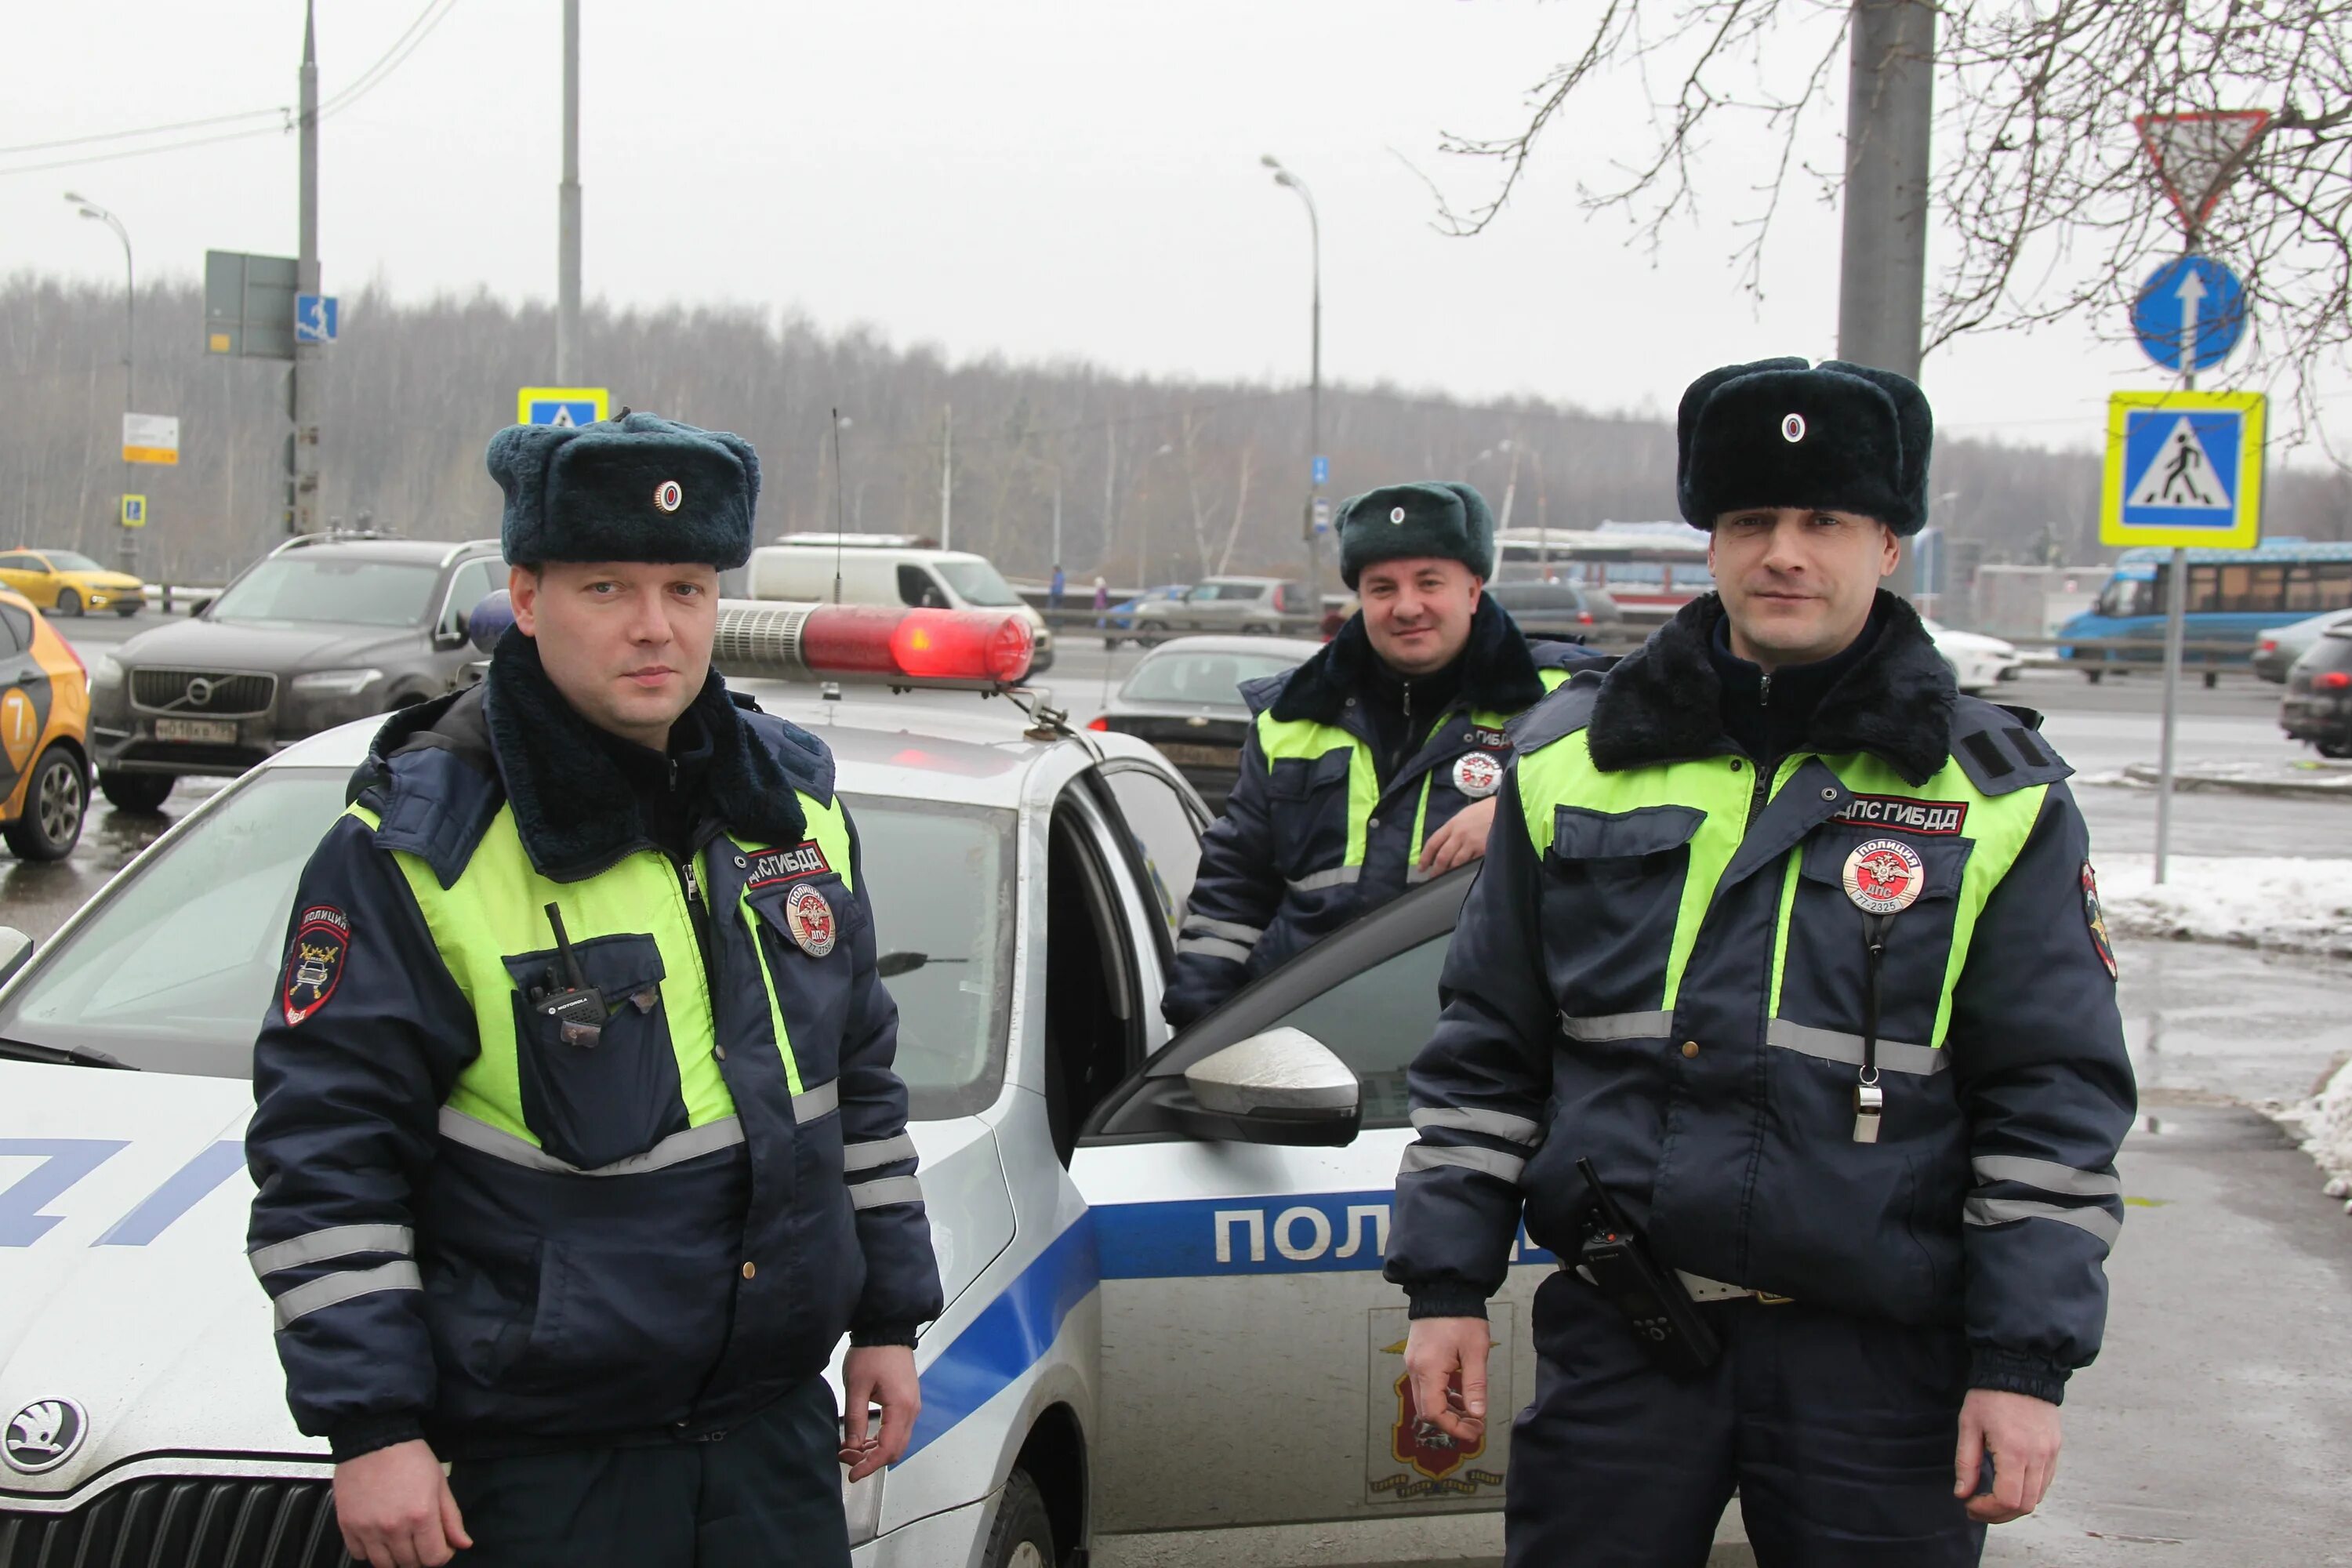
[577,1007]
[1882,878]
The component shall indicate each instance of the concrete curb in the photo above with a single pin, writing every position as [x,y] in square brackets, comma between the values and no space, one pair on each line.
[2336,787]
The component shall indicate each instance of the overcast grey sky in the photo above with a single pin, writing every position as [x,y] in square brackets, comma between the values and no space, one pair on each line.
[1032,178]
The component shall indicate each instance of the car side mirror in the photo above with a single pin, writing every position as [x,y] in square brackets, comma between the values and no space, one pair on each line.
[1283,1086]
[16,950]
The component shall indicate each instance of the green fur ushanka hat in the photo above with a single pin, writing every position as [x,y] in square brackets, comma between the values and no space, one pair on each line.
[635,488]
[1400,522]
[1778,432]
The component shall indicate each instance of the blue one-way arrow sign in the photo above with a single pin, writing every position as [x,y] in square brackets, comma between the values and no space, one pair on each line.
[2190,314]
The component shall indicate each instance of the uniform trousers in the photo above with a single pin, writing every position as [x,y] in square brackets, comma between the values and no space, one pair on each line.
[768,1493]
[1837,1431]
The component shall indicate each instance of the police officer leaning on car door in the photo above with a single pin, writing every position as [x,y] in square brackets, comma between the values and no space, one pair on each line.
[1784,1010]
[577,1139]
[1373,765]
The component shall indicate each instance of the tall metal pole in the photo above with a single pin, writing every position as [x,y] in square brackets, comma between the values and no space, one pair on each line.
[947,477]
[2176,634]
[1282,176]
[1882,263]
[127,546]
[305,374]
[567,242]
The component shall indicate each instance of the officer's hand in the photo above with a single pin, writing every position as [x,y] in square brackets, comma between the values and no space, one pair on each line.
[2020,1433]
[1438,1351]
[1460,841]
[884,1375]
[396,1509]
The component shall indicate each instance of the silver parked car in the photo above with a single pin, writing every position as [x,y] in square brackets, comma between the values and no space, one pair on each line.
[1224,605]
[2277,647]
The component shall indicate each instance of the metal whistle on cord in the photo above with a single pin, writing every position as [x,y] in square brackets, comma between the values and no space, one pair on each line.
[1869,1099]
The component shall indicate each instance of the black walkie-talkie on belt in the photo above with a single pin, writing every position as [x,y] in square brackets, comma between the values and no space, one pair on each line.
[577,1006]
[1665,1319]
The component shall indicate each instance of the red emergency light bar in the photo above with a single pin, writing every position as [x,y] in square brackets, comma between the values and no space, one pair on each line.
[960,650]
[968,651]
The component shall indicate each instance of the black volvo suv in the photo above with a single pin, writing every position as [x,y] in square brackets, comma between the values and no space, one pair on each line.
[323,629]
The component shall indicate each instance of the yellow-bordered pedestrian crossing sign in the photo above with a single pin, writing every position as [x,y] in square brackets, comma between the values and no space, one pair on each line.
[2183,469]
[562,405]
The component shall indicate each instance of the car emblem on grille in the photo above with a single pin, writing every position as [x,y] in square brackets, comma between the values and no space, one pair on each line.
[43,1435]
[200,693]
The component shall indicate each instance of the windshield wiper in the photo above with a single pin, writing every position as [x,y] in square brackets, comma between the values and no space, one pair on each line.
[69,1056]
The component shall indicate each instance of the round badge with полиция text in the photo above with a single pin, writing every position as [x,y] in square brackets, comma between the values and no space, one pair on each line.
[1883,877]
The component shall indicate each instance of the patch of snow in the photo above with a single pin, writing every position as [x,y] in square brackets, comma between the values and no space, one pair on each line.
[2325,1123]
[2285,905]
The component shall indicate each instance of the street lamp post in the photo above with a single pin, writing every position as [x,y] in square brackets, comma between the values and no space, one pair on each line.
[127,550]
[1282,176]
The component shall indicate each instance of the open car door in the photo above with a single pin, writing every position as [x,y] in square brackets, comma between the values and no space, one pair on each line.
[1253,1367]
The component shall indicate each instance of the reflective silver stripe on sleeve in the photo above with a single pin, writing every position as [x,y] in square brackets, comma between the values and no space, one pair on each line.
[2001,1210]
[1210,947]
[888,1190]
[328,1289]
[2048,1175]
[811,1103]
[1338,876]
[1832,1046]
[1486,1161]
[1470,1118]
[1417,873]
[1618,1027]
[857,1157]
[1232,931]
[336,1241]
[484,1138]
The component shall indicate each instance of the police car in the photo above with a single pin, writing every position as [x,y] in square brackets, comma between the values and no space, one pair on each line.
[1162,1256]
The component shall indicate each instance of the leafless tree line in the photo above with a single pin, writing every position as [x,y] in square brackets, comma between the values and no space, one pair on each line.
[1155,480]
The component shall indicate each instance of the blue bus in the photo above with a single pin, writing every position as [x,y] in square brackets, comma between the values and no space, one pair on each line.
[2234,596]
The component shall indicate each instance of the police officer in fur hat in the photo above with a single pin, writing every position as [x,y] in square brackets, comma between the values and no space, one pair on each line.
[1784,1013]
[1374,764]
[548,1191]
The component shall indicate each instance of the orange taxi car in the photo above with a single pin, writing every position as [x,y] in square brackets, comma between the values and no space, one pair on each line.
[44,734]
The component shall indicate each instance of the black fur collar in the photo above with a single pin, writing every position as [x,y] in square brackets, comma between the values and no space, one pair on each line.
[575,812]
[1498,673]
[1663,703]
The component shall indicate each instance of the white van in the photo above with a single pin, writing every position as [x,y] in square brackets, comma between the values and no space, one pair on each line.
[889,569]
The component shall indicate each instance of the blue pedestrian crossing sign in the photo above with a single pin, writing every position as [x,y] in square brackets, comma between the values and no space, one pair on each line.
[561,405]
[1322,470]
[2184,468]
[316,318]
[2190,314]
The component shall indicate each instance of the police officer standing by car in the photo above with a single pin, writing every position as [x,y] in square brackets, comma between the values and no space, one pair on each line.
[1784,1009]
[578,1142]
[1374,764]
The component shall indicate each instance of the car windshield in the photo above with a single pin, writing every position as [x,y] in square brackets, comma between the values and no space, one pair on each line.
[174,966]
[342,592]
[1186,676]
[69,561]
[977,583]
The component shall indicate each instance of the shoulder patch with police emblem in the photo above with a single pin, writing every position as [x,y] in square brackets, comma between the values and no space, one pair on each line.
[1883,877]
[773,868]
[322,943]
[811,920]
[2096,918]
[1477,774]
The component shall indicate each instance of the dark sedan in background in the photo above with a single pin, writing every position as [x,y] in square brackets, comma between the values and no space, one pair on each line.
[1558,609]
[324,629]
[2317,707]
[1185,698]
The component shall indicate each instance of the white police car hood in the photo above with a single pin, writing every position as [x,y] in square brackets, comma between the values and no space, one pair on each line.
[130,1324]
[124,1285]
